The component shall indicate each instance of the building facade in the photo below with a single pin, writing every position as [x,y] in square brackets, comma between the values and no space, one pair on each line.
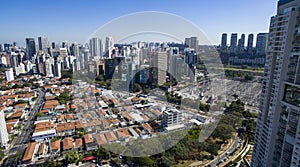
[277,138]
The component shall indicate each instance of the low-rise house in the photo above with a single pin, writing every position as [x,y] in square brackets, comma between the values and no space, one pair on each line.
[110,136]
[41,149]
[100,138]
[68,144]
[65,129]
[29,153]
[55,146]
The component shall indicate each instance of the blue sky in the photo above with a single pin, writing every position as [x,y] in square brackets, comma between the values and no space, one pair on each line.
[75,20]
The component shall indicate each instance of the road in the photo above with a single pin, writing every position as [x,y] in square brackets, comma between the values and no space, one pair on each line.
[224,156]
[24,137]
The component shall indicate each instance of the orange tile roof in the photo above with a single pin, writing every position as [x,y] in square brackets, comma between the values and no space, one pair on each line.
[88,138]
[44,111]
[68,143]
[9,127]
[60,117]
[21,105]
[147,127]
[69,116]
[43,126]
[78,142]
[100,138]
[17,114]
[51,104]
[50,97]
[78,124]
[123,132]
[65,127]
[29,151]
[41,149]
[2,108]
[110,136]
[135,99]
[55,145]
[138,131]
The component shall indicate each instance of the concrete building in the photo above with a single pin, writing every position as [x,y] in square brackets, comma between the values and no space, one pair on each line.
[9,73]
[171,117]
[3,131]
[250,44]
[241,44]
[261,43]
[277,138]
[224,43]
[30,48]
[109,45]
[233,43]
[96,47]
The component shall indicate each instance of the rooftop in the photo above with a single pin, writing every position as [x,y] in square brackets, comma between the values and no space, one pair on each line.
[29,151]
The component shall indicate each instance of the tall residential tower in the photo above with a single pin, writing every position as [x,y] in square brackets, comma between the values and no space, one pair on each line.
[277,138]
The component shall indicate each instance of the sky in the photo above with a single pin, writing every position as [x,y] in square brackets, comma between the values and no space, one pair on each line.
[77,20]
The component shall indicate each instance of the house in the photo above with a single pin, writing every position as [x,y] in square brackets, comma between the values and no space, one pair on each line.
[28,156]
[100,138]
[67,144]
[18,114]
[55,146]
[110,136]
[78,143]
[41,149]
[89,142]
[65,129]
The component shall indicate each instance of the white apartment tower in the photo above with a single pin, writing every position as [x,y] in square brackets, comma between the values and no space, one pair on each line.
[277,138]
[3,131]
[9,73]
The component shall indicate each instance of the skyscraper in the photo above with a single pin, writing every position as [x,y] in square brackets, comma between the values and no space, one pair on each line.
[224,43]
[3,131]
[193,43]
[30,48]
[277,138]
[43,44]
[233,42]
[96,47]
[250,44]
[241,44]
[109,45]
[261,43]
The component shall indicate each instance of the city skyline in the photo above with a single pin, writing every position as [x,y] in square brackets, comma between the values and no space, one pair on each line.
[82,19]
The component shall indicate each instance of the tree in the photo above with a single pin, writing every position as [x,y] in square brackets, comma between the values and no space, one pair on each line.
[39,114]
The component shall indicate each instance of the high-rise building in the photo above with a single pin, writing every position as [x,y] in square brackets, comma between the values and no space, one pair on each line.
[233,43]
[241,44]
[193,43]
[261,43]
[43,44]
[162,65]
[30,48]
[96,47]
[9,73]
[224,43]
[277,138]
[250,44]
[3,131]
[109,45]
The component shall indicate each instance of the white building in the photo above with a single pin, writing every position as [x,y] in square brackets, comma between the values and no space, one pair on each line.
[171,117]
[9,74]
[3,131]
